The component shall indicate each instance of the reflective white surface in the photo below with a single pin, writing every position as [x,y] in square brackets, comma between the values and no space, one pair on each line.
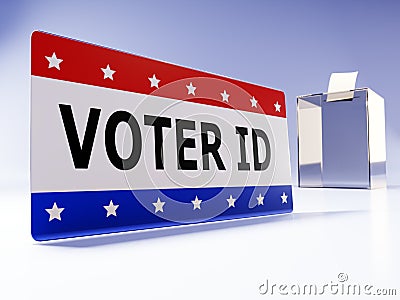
[331,231]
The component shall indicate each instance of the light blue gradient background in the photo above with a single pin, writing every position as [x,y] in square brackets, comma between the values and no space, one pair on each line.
[288,45]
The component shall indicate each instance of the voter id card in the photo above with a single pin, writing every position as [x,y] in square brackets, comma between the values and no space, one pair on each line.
[121,142]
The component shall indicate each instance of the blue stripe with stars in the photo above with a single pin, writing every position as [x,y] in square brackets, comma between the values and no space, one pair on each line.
[58,215]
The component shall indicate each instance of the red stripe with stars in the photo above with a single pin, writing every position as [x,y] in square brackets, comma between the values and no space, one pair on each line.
[84,63]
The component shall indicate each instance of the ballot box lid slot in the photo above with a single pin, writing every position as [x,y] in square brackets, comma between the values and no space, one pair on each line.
[321,94]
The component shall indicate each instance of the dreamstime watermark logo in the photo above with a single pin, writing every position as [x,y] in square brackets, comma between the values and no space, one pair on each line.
[341,286]
[197,147]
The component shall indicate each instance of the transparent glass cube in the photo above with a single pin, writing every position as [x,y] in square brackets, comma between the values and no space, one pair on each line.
[341,140]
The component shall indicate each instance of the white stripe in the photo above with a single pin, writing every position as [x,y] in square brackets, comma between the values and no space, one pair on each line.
[52,167]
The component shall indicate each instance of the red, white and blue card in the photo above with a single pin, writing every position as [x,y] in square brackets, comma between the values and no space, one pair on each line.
[121,142]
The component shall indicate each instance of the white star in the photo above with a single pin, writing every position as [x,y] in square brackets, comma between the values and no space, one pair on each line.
[108,73]
[225,96]
[277,106]
[231,201]
[159,205]
[191,89]
[284,198]
[196,203]
[253,102]
[260,200]
[55,212]
[54,62]
[111,209]
[154,81]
